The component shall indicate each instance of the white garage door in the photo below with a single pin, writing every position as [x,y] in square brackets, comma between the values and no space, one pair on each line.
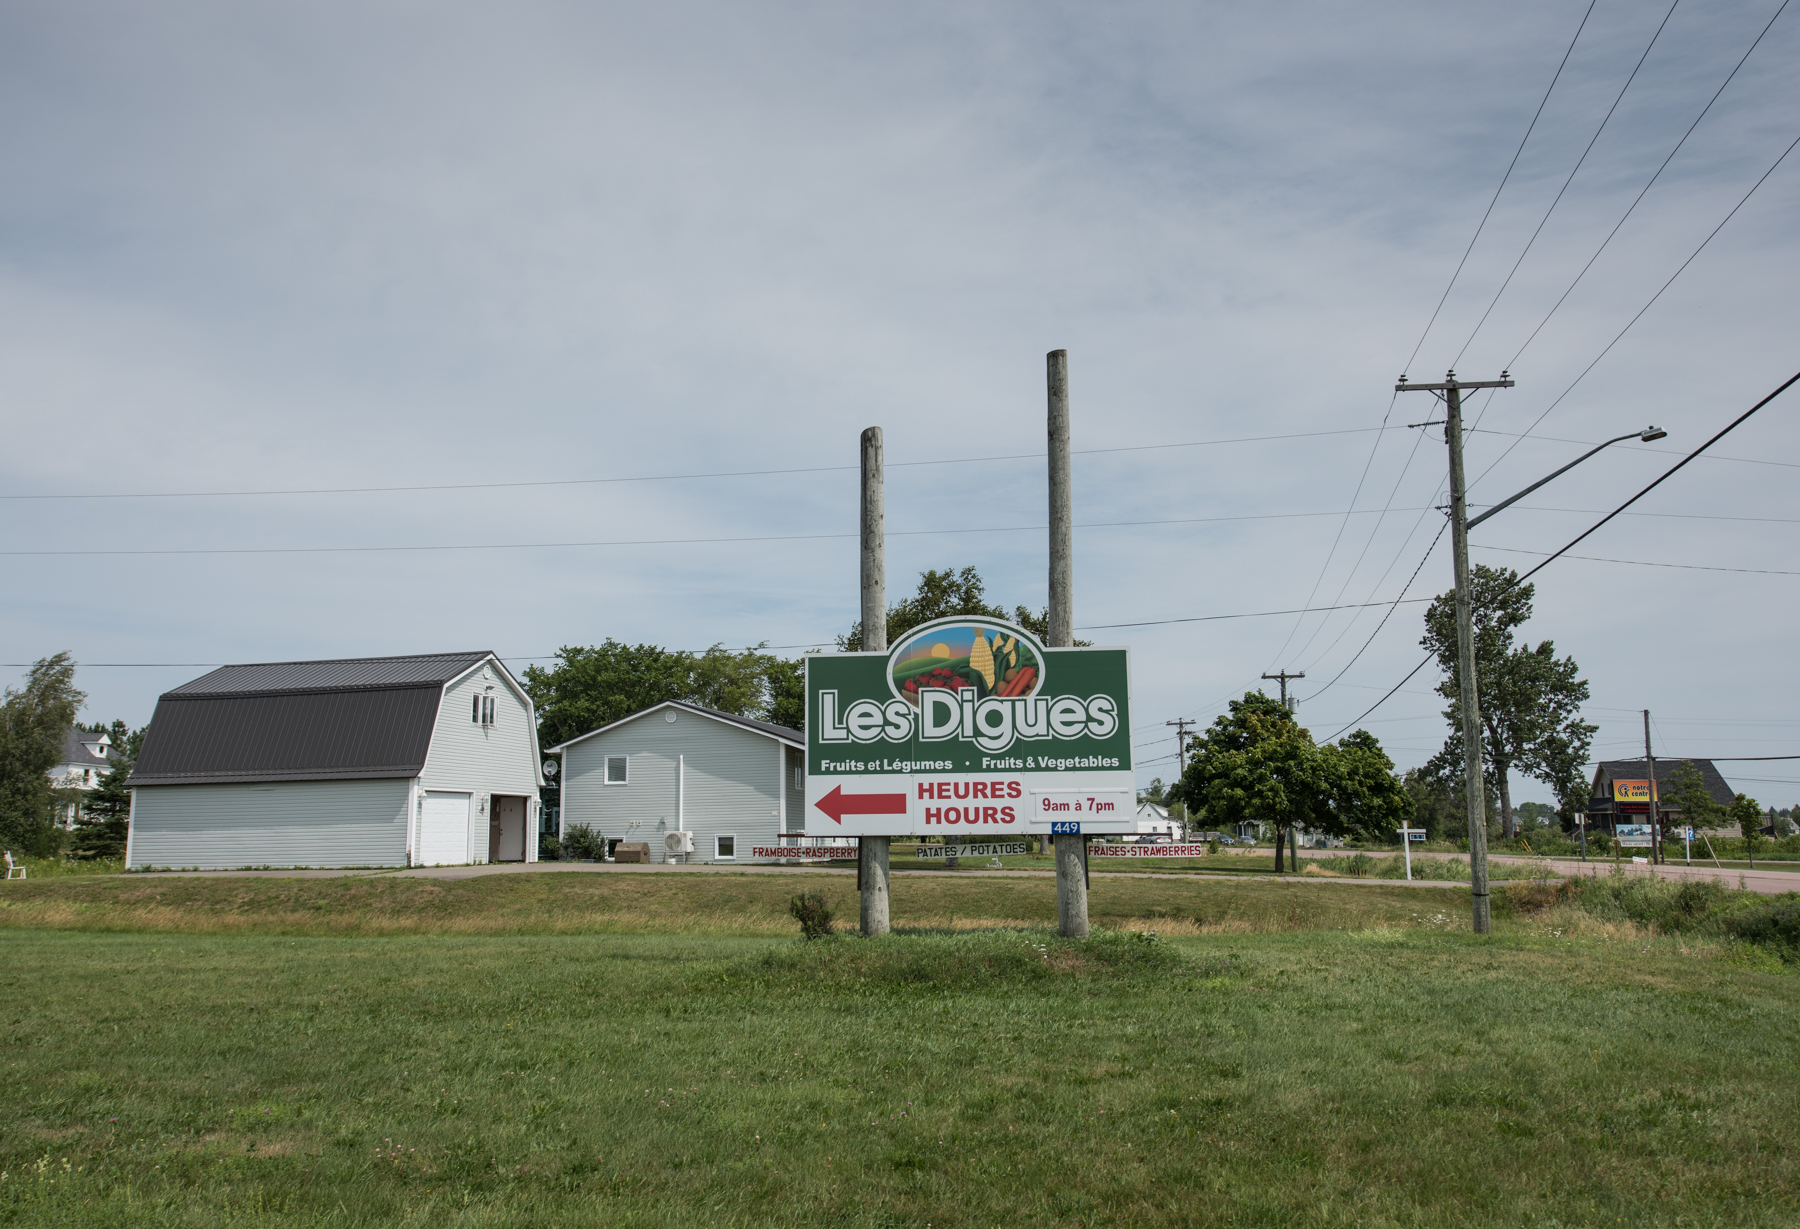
[444,829]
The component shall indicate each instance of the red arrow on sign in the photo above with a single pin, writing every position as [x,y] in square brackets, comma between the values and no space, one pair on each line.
[838,804]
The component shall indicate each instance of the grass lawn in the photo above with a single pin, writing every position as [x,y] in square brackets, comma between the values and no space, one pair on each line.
[717,904]
[1398,1072]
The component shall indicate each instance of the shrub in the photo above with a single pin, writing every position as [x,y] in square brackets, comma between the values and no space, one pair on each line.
[813,913]
[549,849]
[581,843]
[1774,925]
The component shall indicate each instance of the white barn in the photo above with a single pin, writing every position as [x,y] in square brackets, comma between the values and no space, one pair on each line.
[373,761]
[719,784]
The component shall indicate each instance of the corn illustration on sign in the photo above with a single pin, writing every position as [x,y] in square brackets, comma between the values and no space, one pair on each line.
[969,726]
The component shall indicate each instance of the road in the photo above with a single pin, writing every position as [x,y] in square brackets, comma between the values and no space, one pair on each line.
[1769,883]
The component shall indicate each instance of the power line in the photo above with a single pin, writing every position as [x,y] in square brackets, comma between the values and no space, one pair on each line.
[1509,170]
[1543,221]
[1384,618]
[1669,473]
[1640,312]
[739,473]
[1253,614]
[794,537]
[1645,563]
[1646,188]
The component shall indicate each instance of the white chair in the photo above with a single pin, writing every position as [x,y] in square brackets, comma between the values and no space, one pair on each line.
[14,870]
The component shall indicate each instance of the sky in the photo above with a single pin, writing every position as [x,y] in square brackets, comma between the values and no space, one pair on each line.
[667,261]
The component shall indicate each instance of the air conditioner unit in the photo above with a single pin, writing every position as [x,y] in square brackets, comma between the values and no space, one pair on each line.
[678,842]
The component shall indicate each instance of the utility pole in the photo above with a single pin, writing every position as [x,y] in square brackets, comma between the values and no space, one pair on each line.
[1452,389]
[1071,851]
[872,851]
[1284,676]
[1650,766]
[1181,736]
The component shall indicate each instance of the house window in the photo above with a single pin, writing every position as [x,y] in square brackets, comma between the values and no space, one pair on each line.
[799,776]
[615,770]
[481,710]
[727,847]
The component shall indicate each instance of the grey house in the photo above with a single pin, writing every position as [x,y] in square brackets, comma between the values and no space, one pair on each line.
[374,761]
[696,784]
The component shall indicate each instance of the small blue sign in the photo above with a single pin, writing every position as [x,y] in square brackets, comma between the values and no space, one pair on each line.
[1415,835]
[1065,826]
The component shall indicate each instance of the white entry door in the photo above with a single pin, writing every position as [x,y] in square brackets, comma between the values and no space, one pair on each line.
[444,829]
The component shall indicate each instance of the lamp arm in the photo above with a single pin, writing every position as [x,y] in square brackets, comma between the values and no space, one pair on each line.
[1507,503]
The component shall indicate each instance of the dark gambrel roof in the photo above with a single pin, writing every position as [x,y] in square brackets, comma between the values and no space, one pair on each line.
[1633,770]
[434,669]
[299,721]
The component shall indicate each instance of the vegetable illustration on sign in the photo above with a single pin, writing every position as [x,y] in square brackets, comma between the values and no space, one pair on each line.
[992,658]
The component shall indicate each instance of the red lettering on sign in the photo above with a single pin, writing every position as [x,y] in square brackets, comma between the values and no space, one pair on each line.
[959,789]
[1013,790]
[1007,816]
[934,815]
[978,790]
[990,815]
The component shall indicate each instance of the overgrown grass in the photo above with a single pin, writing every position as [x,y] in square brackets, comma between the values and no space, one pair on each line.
[63,868]
[1379,1077]
[616,903]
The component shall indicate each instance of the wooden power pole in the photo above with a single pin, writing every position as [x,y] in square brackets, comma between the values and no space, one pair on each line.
[872,851]
[1284,676]
[1071,851]
[1451,390]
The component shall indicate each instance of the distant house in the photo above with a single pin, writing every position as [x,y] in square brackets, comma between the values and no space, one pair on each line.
[1602,814]
[1153,823]
[373,761]
[696,784]
[85,759]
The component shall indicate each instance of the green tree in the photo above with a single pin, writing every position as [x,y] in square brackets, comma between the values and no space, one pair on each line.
[1155,792]
[785,678]
[1530,699]
[1255,764]
[34,721]
[598,685]
[1748,818]
[1434,806]
[106,811]
[940,595]
[1685,791]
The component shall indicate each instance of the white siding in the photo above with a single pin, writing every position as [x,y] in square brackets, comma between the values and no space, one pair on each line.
[484,760]
[733,783]
[294,823]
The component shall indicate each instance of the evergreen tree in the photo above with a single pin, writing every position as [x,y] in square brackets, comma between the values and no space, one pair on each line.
[106,810]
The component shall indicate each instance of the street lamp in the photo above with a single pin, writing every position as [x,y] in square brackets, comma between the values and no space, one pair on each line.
[1647,434]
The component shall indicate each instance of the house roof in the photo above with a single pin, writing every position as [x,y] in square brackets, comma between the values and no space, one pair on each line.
[793,738]
[1633,770]
[75,749]
[335,720]
[338,674]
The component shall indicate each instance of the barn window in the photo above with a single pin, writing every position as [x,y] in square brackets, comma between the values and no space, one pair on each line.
[727,847]
[475,710]
[615,770]
[799,776]
[481,711]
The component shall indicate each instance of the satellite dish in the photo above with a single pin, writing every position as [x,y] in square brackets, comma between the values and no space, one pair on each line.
[550,768]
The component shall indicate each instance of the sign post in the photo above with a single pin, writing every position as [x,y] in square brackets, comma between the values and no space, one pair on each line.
[969,727]
[1407,837]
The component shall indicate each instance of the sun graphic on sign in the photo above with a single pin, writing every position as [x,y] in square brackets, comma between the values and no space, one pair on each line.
[940,650]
